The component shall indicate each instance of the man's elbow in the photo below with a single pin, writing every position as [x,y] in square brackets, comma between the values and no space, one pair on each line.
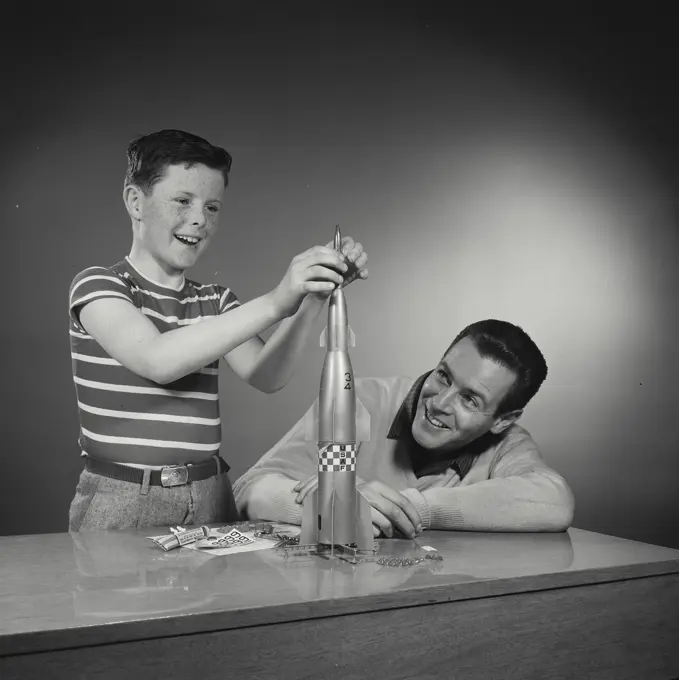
[560,522]
[244,510]
[252,496]
[561,512]
[241,493]
[558,504]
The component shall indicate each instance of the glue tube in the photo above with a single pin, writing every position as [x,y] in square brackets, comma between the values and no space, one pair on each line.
[180,538]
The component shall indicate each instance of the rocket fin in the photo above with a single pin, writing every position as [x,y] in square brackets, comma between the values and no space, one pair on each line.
[352,338]
[362,422]
[311,423]
[324,337]
[364,523]
[309,533]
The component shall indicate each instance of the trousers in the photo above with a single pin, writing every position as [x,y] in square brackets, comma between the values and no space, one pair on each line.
[103,503]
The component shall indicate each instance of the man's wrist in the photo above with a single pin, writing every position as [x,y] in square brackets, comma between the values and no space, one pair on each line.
[420,504]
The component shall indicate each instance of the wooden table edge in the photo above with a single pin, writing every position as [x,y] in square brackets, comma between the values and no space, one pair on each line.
[191,623]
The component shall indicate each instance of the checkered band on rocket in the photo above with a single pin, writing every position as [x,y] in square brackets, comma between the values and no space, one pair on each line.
[337,458]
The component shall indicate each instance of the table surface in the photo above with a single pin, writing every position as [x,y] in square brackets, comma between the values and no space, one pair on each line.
[80,589]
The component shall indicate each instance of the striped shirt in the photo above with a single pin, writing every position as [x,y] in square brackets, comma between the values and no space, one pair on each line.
[123,416]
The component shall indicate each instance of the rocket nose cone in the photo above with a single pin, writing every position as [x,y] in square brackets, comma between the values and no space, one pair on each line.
[338,238]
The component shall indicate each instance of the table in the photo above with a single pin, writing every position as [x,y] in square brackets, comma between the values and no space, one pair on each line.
[563,605]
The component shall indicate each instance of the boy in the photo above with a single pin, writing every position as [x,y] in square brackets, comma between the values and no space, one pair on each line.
[145,344]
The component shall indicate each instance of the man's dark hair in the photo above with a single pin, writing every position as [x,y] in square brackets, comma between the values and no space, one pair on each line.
[509,346]
[149,156]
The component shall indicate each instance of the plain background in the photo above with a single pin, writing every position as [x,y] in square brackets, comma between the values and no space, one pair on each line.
[518,164]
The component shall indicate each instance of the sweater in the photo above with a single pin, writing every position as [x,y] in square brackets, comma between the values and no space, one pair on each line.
[496,483]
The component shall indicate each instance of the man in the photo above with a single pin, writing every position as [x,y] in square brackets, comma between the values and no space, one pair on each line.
[444,451]
[145,344]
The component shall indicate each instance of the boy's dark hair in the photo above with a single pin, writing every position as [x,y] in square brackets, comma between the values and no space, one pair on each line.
[149,156]
[511,347]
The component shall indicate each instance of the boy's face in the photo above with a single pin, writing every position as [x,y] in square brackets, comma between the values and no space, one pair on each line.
[459,400]
[180,215]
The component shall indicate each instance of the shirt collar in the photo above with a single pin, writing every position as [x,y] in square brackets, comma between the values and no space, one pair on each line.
[403,421]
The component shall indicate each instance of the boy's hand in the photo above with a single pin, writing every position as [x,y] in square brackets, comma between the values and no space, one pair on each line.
[318,270]
[356,258]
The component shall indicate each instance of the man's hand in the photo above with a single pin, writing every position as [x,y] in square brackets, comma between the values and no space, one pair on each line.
[389,507]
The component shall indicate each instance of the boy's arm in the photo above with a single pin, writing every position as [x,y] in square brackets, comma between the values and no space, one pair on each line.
[133,340]
[265,491]
[522,494]
[269,366]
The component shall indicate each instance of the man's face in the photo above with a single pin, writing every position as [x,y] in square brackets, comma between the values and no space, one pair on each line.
[459,399]
[180,215]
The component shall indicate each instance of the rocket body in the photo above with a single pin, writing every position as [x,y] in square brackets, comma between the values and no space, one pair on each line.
[336,513]
[337,446]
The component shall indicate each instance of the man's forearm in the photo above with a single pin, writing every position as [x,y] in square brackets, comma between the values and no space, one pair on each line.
[278,357]
[268,497]
[533,502]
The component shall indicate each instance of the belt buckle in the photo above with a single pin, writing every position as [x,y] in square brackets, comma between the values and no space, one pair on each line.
[174,475]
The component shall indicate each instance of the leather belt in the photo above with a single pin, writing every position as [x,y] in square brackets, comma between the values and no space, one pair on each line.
[170,475]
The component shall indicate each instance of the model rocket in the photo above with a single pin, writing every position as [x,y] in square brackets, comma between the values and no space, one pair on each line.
[335,514]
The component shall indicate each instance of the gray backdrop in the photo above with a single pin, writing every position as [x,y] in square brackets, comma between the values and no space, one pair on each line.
[514,165]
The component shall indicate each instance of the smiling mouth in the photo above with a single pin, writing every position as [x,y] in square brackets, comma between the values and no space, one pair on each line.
[187,240]
[434,421]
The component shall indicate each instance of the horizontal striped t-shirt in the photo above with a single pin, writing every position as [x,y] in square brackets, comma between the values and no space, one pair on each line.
[123,416]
